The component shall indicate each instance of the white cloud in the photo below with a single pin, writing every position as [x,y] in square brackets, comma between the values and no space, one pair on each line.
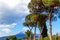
[25,29]
[6,30]
[13,3]
[24,1]
[8,26]
[10,3]
[11,12]
[0,34]
[22,7]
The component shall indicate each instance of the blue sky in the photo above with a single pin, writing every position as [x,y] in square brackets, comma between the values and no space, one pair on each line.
[12,14]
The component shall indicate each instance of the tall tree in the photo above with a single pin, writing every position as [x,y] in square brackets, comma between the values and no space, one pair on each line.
[34,20]
[36,7]
[42,26]
[31,18]
[41,19]
[41,22]
[51,4]
[30,23]
[27,34]
[30,26]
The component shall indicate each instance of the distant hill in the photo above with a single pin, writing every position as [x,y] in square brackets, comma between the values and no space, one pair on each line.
[19,35]
[3,38]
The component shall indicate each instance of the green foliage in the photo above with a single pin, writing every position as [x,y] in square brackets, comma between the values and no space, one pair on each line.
[35,6]
[48,2]
[38,6]
[36,17]
[28,24]
[6,39]
[40,19]
[19,39]
[47,38]
[27,34]
[12,38]
[51,2]
[58,37]
[44,32]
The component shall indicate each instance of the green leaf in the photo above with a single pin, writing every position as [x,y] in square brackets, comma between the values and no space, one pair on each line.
[48,2]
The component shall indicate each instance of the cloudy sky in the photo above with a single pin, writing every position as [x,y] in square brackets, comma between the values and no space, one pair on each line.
[12,14]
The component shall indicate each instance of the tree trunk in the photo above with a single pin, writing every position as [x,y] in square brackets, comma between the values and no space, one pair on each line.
[35,33]
[40,36]
[43,31]
[50,25]
[50,28]
[30,38]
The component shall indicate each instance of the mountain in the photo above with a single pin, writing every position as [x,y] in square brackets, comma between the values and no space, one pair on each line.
[3,38]
[19,35]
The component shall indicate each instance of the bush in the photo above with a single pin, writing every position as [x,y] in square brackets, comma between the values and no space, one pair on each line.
[19,39]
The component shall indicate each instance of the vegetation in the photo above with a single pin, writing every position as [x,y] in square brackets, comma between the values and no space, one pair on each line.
[27,35]
[30,25]
[39,6]
[19,39]
[31,20]
[12,38]
[46,38]
[39,19]
[53,38]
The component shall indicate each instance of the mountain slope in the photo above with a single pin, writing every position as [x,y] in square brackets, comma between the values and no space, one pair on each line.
[19,35]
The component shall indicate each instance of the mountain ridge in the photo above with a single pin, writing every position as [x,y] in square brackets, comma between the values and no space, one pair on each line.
[19,35]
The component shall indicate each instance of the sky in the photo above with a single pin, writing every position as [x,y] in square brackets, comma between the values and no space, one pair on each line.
[12,15]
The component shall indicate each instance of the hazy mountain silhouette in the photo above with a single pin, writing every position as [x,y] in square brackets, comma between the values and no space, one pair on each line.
[19,35]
